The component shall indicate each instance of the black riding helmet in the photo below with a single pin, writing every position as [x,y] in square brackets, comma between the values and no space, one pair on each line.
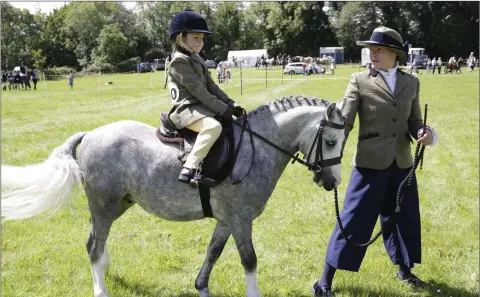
[187,21]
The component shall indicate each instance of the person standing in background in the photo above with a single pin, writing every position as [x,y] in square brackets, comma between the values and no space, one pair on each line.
[439,65]
[70,77]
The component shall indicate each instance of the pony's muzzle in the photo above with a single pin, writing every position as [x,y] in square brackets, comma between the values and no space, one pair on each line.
[329,180]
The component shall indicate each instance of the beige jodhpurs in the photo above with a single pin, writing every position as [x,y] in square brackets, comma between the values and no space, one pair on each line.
[209,129]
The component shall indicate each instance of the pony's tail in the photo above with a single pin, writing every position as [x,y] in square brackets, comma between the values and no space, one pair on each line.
[34,189]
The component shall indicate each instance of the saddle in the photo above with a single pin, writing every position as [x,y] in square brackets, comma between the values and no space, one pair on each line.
[219,161]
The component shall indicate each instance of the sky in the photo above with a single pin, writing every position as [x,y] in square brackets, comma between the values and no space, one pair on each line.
[47,7]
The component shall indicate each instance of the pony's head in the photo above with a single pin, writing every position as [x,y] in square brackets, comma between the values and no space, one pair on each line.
[326,148]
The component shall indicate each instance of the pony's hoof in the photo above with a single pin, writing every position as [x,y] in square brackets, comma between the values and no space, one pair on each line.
[101,294]
[205,292]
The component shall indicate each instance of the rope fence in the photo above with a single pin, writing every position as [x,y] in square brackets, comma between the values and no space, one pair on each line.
[98,82]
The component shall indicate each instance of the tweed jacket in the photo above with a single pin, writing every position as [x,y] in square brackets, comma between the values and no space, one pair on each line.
[388,121]
[193,92]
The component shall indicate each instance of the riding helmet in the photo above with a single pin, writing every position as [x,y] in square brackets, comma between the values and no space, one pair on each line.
[187,21]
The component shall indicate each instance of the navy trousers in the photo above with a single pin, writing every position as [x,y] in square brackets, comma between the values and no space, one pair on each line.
[371,193]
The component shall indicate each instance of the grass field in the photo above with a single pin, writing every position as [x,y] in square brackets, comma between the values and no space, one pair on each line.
[157,258]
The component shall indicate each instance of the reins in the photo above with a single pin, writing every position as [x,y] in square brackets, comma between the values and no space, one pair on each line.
[316,166]
[400,193]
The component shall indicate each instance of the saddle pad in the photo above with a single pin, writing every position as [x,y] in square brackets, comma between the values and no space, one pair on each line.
[217,163]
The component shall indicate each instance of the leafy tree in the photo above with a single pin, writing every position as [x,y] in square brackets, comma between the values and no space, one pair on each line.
[112,45]
[54,40]
[20,34]
[226,28]
[39,60]
[300,28]
[357,21]
[83,24]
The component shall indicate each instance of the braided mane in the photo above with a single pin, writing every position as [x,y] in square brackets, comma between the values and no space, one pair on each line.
[289,102]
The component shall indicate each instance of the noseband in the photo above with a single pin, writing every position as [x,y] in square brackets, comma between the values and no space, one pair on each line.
[320,162]
[315,167]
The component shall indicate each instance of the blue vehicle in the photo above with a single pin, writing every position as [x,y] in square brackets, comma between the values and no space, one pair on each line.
[144,67]
[159,64]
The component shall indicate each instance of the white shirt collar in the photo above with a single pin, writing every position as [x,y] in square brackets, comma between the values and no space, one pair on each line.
[390,72]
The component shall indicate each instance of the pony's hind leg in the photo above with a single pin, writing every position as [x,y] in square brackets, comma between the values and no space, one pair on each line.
[217,243]
[102,217]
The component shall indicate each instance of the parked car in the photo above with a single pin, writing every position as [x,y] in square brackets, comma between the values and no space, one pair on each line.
[159,64]
[144,67]
[211,64]
[297,68]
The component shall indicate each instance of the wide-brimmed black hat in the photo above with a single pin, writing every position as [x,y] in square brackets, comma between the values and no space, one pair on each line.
[386,37]
[187,21]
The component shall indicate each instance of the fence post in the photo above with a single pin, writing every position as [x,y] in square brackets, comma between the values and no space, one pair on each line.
[151,79]
[45,84]
[241,79]
[99,74]
[266,67]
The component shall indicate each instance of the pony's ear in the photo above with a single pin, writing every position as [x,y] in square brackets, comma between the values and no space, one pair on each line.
[341,104]
[331,111]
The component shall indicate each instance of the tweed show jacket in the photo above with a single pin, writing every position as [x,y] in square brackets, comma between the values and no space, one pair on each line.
[387,121]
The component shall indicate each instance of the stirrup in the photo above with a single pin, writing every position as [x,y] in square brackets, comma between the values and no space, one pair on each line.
[194,178]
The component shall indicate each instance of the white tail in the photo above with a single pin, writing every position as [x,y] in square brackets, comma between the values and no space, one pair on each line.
[34,189]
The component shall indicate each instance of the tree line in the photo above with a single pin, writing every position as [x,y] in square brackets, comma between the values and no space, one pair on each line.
[108,36]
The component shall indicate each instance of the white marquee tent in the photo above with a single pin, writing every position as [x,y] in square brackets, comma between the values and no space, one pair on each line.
[249,57]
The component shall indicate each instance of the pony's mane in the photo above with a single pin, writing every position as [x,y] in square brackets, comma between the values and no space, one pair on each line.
[289,102]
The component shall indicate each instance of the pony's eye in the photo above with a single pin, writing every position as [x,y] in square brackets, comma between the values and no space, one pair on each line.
[330,143]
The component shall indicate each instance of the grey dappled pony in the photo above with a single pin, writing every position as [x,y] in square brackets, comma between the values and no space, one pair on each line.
[123,163]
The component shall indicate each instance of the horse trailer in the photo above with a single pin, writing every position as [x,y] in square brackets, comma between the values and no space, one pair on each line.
[365,57]
[334,52]
[418,55]
[248,57]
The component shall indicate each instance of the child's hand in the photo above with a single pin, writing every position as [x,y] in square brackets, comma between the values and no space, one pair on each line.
[227,115]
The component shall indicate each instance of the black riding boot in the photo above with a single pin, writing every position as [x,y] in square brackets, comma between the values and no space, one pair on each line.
[191,176]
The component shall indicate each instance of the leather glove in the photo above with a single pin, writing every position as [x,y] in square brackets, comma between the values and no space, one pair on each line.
[227,115]
[238,111]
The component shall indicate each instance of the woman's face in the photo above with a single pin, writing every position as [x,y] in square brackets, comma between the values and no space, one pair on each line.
[382,58]
[195,41]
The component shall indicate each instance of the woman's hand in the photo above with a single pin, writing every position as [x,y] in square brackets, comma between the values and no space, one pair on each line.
[425,138]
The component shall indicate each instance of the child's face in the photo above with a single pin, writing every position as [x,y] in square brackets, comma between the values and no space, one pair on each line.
[195,41]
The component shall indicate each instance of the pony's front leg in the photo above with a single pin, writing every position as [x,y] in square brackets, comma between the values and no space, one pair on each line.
[242,233]
[217,243]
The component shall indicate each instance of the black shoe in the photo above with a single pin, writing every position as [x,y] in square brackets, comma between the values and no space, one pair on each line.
[412,280]
[192,177]
[321,291]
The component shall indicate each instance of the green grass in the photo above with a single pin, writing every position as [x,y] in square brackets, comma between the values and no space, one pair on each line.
[153,257]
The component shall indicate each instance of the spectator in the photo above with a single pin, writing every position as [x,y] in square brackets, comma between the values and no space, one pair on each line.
[439,65]
[11,81]
[4,81]
[24,77]
[471,62]
[429,65]
[70,79]
[434,65]
[34,77]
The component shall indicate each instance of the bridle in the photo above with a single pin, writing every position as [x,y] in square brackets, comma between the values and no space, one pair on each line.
[319,161]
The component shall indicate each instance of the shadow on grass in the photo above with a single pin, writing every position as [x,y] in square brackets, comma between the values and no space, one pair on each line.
[139,289]
[436,289]
[446,290]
